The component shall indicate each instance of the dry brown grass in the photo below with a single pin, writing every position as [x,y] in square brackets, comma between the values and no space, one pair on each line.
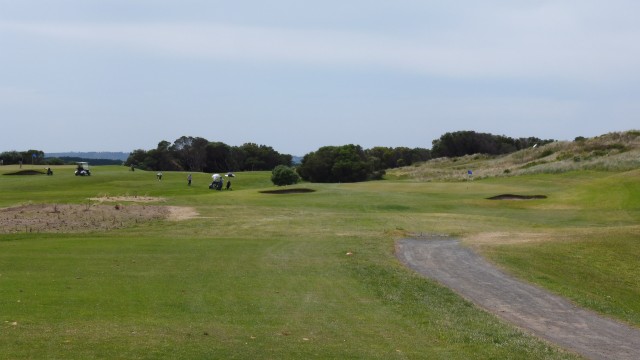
[617,151]
[74,218]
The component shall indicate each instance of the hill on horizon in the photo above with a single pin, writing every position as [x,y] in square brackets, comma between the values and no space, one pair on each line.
[107,155]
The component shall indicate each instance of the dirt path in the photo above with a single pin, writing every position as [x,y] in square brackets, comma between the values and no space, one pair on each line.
[547,316]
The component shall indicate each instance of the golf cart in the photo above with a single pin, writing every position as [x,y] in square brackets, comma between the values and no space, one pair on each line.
[217,182]
[83,169]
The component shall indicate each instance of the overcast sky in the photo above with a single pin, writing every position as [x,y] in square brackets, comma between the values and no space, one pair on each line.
[119,75]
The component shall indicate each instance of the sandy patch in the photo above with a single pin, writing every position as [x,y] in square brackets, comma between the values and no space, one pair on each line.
[137,199]
[74,218]
[180,213]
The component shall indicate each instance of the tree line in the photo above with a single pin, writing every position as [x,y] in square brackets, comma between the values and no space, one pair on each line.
[201,155]
[38,157]
[352,163]
[462,143]
[347,163]
[24,157]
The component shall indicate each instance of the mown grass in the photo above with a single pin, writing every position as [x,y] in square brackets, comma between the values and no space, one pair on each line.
[267,276]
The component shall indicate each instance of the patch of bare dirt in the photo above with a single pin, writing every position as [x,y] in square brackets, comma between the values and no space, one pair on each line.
[73,218]
[180,213]
[137,199]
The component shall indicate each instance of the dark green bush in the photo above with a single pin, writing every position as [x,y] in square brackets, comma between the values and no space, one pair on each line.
[284,175]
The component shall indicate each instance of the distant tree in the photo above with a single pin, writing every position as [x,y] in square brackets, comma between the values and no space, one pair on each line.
[160,158]
[137,158]
[198,154]
[347,163]
[218,157]
[27,157]
[462,143]
[254,157]
[163,158]
[284,175]
[54,161]
[388,158]
[33,156]
[72,160]
[11,157]
[190,152]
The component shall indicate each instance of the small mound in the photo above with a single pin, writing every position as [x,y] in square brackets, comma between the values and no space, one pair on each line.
[516,197]
[288,191]
[26,172]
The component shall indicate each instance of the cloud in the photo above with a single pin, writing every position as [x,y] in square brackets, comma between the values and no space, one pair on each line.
[548,43]
[20,96]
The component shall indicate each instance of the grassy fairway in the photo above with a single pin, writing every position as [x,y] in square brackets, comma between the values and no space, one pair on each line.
[267,276]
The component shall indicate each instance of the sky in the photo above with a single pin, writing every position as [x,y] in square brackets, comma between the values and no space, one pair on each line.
[120,75]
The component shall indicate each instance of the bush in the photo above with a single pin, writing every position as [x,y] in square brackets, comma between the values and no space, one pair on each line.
[284,175]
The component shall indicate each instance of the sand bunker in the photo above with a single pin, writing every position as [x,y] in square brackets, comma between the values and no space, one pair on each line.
[27,172]
[516,197]
[288,191]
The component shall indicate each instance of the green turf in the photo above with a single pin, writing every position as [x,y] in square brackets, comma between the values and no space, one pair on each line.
[267,276]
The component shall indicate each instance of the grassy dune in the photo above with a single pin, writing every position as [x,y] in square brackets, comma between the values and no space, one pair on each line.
[268,276]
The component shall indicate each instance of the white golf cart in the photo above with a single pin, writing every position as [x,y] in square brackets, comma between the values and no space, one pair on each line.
[83,169]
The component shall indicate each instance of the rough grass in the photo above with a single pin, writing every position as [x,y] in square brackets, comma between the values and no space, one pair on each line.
[619,151]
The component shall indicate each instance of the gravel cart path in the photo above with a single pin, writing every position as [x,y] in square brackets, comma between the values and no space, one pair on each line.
[537,311]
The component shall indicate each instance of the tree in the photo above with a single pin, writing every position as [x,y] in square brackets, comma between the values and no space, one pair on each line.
[284,175]
[11,157]
[190,152]
[462,143]
[137,158]
[33,156]
[254,157]
[218,157]
[347,163]
[160,158]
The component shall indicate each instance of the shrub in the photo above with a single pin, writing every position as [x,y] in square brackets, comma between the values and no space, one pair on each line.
[284,175]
